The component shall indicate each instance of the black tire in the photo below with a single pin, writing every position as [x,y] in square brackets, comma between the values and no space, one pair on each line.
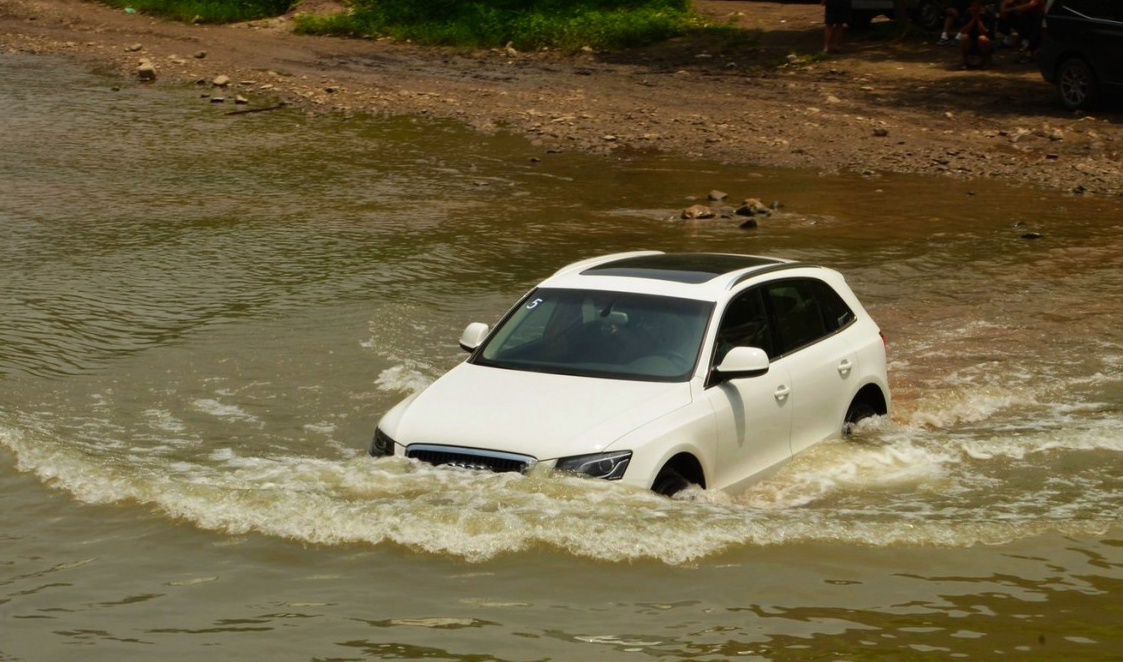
[930,15]
[859,411]
[860,20]
[669,482]
[1076,84]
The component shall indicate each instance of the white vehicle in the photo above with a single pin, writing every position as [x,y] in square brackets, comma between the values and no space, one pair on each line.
[657,370]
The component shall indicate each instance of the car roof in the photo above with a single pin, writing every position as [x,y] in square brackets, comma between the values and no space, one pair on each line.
[704,276]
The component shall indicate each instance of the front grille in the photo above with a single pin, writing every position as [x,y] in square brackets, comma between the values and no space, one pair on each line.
[471,458]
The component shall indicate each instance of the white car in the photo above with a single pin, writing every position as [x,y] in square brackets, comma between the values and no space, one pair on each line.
[657,370]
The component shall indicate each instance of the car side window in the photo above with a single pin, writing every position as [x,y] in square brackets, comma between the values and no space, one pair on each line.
[804,311]
[1108,10]
[744,324]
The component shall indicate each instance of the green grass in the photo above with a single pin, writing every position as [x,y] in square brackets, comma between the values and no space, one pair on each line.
[206,11]
[527,25]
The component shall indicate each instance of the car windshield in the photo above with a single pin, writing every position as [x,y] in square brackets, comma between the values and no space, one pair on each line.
[618,335]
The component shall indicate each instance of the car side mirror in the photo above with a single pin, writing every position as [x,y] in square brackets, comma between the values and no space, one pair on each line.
[742,362]
[473,335]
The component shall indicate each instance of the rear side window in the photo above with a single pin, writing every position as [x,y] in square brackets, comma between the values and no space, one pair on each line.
[1109,10]
[804,311]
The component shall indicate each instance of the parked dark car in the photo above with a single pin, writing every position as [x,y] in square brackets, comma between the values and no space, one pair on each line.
[1081,50]
[928,14]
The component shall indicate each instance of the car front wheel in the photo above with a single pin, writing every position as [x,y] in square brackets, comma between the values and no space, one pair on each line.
[1076,84]
[669,482]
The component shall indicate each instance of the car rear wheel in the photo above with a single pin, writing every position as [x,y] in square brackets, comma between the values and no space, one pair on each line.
[859,411]
[1076,84]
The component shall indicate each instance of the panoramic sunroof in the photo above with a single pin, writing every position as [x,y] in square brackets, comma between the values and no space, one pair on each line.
[683,268]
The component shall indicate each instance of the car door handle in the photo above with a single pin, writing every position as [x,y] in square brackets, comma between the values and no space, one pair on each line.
[845,367]
[782,393]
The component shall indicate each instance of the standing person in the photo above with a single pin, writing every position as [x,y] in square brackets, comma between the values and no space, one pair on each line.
[836,16]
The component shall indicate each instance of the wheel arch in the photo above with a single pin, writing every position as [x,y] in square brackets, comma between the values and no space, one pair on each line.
[872,395]
[687,466]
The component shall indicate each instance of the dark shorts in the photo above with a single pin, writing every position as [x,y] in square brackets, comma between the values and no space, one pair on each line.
[837,12]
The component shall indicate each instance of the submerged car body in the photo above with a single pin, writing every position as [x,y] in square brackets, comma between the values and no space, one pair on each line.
[659,370]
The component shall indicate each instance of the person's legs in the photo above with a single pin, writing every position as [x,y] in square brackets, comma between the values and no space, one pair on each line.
[986,48]
[836,42]
[951,20]
[832,37]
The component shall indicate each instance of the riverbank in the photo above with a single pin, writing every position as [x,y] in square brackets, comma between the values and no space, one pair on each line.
[882,106]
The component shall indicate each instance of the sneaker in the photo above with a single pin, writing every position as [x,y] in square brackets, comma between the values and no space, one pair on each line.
[944,40]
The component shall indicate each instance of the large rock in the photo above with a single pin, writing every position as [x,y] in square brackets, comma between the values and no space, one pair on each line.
[752,207]
[146,70]
[698,211]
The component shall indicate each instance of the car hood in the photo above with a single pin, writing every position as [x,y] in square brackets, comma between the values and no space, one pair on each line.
[542,415]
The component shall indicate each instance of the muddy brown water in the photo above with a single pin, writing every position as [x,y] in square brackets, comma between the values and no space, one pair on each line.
[202,317]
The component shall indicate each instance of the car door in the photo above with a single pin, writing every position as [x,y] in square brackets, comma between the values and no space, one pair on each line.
[753,414]
[809,318]
[1108,38]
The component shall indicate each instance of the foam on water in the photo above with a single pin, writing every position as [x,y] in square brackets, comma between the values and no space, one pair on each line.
[894,485]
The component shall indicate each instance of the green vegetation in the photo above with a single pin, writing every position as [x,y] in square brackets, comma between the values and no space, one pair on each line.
[207,11]
[568,25]
[525,24]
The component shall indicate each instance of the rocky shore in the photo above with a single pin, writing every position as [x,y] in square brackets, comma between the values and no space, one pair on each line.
[882,106]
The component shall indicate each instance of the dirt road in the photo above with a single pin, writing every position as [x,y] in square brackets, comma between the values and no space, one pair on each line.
[881,106]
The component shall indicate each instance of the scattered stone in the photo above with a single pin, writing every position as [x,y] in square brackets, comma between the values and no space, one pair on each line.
[241,100]
[220,81]
[133,48]
[1031,235]
[697,211]
[218,98]
[717,196]
[880,131]
[610,138]
[199,55]
[749,224]
[146,70]
[1079,189]
[753,207]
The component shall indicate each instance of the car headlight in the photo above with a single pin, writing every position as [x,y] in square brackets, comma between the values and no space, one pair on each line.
[382,445]
[609,466]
